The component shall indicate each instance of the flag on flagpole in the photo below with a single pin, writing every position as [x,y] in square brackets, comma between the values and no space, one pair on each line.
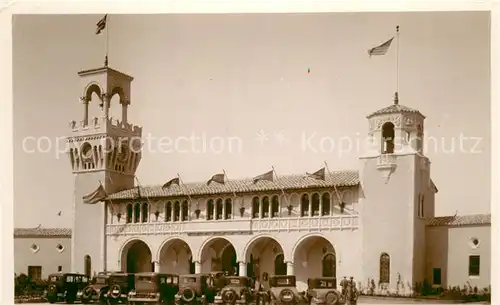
[101,25]
[381,49]
[319,174]
[219,178]
[266,176]
[170,182]
[98,195]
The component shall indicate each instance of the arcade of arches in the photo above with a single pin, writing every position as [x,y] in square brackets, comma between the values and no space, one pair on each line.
[314,256]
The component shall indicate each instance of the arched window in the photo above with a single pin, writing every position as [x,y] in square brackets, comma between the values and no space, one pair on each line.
[388,138]
[210,209]
[137,212]
[145,212]
[275,206]
[168,211]
[255,207]
[315,204]
[177,211]
[279,265]
[87,262]
[129,213]
[265,207]
[325,202]
[219,209]
[229,208]
[385,271]
[329,265]
[185,210]
[304,205]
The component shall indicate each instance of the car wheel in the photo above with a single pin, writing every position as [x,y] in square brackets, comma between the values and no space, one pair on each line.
[332,298]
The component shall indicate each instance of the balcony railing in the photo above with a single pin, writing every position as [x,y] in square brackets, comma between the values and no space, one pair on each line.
[386,161]
[288,224]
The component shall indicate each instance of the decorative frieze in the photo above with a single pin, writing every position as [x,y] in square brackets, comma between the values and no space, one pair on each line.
[289,224]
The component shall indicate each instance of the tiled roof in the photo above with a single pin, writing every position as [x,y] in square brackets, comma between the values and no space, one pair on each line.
[42,232]
[395,108]
[465,220]
[292,182]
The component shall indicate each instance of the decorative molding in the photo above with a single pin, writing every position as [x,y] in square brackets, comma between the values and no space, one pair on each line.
[394,119]
[295,224]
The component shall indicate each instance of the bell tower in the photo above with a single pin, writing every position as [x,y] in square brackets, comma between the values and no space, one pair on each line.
[397,197]
[102,151]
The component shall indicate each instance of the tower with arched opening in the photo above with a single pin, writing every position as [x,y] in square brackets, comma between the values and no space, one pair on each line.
[103,150]
[398,195]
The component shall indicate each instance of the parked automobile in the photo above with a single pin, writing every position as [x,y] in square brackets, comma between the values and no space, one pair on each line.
[96,291]
[238,289]
[155,288]
[120,284]
[282,290]
[197,288]
[323,290]
[65,287]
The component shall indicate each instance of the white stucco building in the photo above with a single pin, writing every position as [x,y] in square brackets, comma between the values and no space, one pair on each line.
[375,222]
[39,252]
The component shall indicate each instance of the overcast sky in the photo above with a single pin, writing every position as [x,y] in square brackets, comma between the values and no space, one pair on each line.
[291,76]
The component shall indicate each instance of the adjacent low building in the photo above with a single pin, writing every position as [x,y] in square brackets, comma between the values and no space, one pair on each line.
[39,252]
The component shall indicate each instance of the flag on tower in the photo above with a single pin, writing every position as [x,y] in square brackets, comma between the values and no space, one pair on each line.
[101,25]
[219,178]
[170,182]
[266,176]
[381,49]
[319,174]
[98,195]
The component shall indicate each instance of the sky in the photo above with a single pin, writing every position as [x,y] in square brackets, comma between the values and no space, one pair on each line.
[260,90]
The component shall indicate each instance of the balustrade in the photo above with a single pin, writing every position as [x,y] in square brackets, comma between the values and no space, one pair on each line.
[283,224]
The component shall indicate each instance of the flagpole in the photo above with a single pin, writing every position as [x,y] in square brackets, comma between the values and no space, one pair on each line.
[187,193]
[396,95]
[147,198]
[282,191]
[107,41]
[183,188]
[225,174]
[334,186]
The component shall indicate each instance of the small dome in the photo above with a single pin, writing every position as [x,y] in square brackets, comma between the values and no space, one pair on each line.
[395,108]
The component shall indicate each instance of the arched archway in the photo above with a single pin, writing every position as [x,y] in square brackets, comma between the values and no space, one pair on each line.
[314,256]
[87,262]
[388,134]
[175,256]
[218,254]
[136,257]
[264,254]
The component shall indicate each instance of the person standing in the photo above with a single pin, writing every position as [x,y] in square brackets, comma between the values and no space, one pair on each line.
[258,291]
[343,284]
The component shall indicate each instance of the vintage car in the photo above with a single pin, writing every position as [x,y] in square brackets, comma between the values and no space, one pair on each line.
[120,284]
[155,288]
[323,290]
[237,289]
[65,287]
[198,288]
[112,287]
[282,290]
[96,291]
